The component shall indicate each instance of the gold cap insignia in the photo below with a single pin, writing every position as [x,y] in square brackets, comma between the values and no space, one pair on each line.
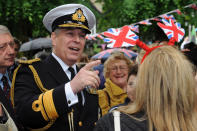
[78,16]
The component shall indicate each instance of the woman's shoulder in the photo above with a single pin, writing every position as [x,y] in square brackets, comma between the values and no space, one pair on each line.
[105,123]
[135,121]
[127,122]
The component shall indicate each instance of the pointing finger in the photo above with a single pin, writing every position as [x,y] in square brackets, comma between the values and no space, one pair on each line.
[92,64]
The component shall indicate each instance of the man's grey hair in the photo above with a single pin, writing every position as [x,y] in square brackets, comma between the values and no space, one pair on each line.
[4,30]
[57,31]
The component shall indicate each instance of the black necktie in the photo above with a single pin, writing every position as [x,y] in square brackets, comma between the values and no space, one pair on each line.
[6,87]
[72,76]
[72,72]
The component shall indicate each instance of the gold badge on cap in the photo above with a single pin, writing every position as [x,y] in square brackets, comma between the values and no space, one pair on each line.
[78,16]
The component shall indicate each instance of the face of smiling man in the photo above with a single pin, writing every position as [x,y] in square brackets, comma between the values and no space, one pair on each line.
[68,44]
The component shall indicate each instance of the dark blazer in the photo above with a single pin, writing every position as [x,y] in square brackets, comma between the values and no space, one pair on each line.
[6,103]
[26,92]
[127,123]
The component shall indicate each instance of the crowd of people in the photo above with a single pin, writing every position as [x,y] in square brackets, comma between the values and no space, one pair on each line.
[56,94]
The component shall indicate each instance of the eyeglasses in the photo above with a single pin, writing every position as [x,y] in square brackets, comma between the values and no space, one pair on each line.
[5,45]
[121,68]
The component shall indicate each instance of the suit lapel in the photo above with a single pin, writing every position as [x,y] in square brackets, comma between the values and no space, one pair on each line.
[54,69]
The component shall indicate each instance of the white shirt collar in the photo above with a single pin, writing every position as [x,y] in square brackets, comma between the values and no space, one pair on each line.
[64,65]
[6,74]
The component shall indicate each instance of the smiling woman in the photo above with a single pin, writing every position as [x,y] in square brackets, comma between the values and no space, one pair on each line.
[116,69]
[165,96]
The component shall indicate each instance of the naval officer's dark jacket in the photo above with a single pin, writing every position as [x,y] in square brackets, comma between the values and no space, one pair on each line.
[46,106]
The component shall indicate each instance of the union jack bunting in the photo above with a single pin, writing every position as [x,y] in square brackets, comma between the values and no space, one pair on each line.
[87,37]
[134,28]
[167,17]
[178,11]
[112,31]
[99,36]
[156,19]
[194,6]
[145,22]
[90,37]
[123,37]
[172,29]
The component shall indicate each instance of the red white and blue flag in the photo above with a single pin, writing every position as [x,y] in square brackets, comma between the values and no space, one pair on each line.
[145,22]
[90,37]
[194,6]
[156,19]
[178,11]
[168,16]
[134,28]
[99,36]
[172,29]
[123,37]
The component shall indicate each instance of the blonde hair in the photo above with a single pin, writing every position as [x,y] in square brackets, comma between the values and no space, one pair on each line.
[140,56]
[165,90]
[143,52]
[114,57]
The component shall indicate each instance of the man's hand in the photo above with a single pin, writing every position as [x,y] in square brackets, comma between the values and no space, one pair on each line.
[86,77]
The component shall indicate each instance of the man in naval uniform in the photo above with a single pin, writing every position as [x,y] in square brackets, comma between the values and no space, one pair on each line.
[51,94]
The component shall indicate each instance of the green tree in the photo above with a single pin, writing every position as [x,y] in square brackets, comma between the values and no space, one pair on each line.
[24,18]
[124,12]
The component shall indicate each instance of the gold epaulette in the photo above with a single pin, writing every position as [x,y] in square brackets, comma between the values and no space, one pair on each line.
[35,74]
[29,61]
[47,95]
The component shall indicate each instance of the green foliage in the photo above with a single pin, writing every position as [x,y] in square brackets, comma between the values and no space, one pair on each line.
[124,12]
[24,18]
[96,48]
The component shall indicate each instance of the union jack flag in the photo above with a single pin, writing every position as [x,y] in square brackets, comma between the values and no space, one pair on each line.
[99,36]
[145,22]
[178,11]
[156,19]
[134,28]
[123,37]
[167,17]
[90,37]
[172,29]
[194,6]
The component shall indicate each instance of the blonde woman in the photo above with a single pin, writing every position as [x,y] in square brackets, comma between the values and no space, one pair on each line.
[116,69]
[165,96]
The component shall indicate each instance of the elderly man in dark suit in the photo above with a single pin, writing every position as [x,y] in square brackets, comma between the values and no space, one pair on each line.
[7,119]
[51,94]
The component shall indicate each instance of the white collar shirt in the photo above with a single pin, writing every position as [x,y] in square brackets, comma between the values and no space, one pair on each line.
[70,96]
